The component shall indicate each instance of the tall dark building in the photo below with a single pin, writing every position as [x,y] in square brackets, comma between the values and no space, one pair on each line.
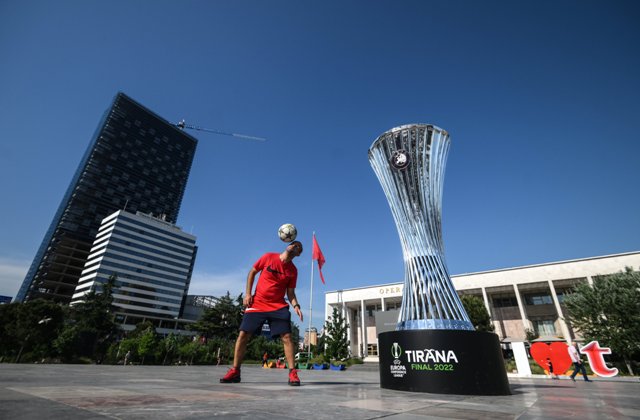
[136,160]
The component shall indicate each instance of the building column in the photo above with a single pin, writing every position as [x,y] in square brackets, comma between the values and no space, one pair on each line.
[486,300]
[363,309]
[346,313]
[487,305]
[525,321]
[383,307]
[563,324]
[327,311]
[349,320]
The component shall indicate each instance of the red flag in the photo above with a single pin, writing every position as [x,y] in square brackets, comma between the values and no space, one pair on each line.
[317,255]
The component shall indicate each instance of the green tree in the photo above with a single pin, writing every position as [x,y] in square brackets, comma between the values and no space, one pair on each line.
[222,348]
[295,334]
[128,345]
[9,343]
[189,351]
[170,346]
[147,344]
[90,327]
[609,312]
[320,345]
[530,334]
[27,329]
[259,344]
[222,320]
[477,312]
[141,329]
[335,330]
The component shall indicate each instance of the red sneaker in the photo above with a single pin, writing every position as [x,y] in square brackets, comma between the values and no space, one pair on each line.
[232,376]
[293,377]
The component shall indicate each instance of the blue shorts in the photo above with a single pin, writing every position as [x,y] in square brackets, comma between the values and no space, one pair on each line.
[279,322]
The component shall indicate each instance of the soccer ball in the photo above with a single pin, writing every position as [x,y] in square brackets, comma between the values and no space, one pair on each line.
[287,232]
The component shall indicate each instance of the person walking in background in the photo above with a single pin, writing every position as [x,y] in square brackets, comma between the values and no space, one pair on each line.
[550,369]
[278,276]
[574,354]
[265,359]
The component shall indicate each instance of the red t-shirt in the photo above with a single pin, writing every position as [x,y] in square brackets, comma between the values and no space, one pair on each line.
[275,277]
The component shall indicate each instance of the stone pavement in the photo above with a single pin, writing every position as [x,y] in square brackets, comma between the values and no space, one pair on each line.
[158,392]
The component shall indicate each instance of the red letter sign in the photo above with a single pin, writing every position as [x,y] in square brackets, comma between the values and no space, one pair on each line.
[596,359]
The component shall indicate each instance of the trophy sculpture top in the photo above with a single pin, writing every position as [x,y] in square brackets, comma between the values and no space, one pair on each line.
[400,128]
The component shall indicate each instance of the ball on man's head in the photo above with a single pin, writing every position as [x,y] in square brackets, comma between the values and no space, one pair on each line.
[287,232]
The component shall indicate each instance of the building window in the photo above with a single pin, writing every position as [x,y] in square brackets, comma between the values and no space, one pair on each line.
[544,327]
[393,305]
[538,299]
[562,294]
[372,349]
[504,302]
[373,308]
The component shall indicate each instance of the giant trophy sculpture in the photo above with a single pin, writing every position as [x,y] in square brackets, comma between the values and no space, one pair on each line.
[434,348]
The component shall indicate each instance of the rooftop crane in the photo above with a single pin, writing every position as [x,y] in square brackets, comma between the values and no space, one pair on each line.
[182,125]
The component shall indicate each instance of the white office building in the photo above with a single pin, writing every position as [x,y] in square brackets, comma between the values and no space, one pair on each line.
[517,299]
[153,261]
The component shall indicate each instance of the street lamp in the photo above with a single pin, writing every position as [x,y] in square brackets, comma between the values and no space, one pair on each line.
[41,322]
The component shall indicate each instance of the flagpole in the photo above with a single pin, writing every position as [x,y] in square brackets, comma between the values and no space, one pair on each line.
[310,305]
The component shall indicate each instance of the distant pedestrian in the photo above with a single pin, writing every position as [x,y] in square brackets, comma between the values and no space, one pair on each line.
[127,357]
[265,359]
[574,354]
[550,369]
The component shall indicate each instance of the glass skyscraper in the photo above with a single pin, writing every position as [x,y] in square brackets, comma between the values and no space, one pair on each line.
[136,161]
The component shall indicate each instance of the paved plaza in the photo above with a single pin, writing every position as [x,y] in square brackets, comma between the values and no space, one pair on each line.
[153,392]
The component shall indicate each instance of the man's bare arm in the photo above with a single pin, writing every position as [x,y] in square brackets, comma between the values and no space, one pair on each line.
[248,295]
[291,294]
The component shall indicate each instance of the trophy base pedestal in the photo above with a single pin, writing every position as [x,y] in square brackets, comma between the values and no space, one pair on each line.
[442,362]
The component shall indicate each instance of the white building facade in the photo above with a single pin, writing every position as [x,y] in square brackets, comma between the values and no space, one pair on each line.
[152,260]
[517,299]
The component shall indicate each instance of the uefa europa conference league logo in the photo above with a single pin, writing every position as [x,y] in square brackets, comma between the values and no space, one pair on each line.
[400,159]
[398,370]
[422,360]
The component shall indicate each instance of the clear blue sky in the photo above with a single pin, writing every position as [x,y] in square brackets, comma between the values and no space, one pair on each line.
[541,99]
